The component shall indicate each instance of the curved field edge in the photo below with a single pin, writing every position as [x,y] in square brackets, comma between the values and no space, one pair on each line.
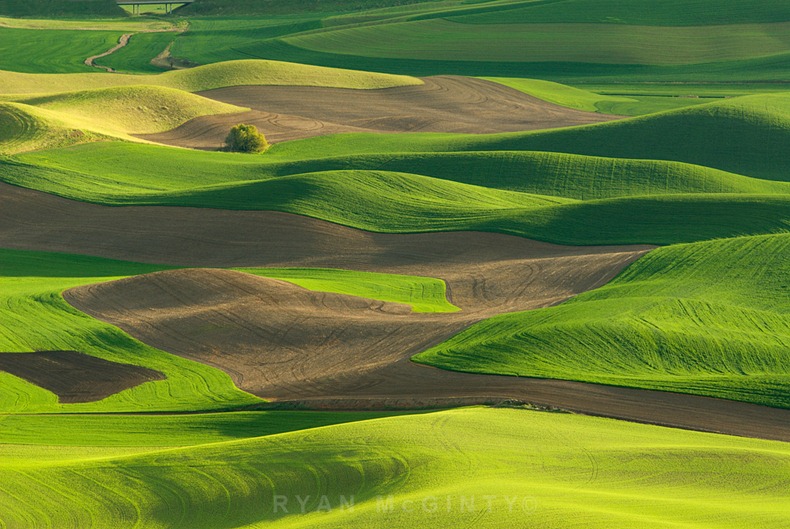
[385,202]
[555,465]
[684,203]
[590,101]
[423,294]
[708,318]
[208,77]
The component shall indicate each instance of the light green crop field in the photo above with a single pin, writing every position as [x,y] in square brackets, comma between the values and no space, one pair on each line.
[701,169]
[54,438]
[123,25]
[95,115]
[667,13]
[424,294]
[449,40]
[611,43]
[497,467]
[25,128]
[709,318]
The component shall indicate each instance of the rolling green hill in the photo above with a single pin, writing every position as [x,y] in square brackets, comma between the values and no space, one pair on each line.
[85,167]
[399,202]
[701,170]
[628,198]
[133,109]
[94,115]
[26,128]
[437,469]
[751,134]
[633,12]
[709,318]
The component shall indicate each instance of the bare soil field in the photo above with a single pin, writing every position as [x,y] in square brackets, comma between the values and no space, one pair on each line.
[442,104]
[322,350]
[483,271]
[75,377]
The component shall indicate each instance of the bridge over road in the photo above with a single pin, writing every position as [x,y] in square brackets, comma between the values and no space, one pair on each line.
[169,6]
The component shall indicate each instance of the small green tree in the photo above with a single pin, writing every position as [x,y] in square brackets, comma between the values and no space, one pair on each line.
[246,138]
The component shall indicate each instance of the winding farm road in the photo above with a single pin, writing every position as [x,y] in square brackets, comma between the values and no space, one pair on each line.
[122,42]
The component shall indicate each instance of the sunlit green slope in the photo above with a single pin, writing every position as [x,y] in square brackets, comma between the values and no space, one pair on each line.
[494,467]
[709,318]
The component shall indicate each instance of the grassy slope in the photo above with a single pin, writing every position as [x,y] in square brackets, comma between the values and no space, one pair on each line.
[109,172]
[25,128]
[268,7]
[666,13]
[122,25]
[501,37]
[561,94]
[118,432]
[424,294]
[232,73]
[558,467]
[697,203]
[709,318]
[385,201]
[92,115]
[133,109]
[750,134]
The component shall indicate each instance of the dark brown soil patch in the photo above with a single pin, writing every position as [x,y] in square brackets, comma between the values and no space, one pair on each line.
[75,377]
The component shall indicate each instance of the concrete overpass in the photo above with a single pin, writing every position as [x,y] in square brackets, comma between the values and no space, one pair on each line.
[169,6]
